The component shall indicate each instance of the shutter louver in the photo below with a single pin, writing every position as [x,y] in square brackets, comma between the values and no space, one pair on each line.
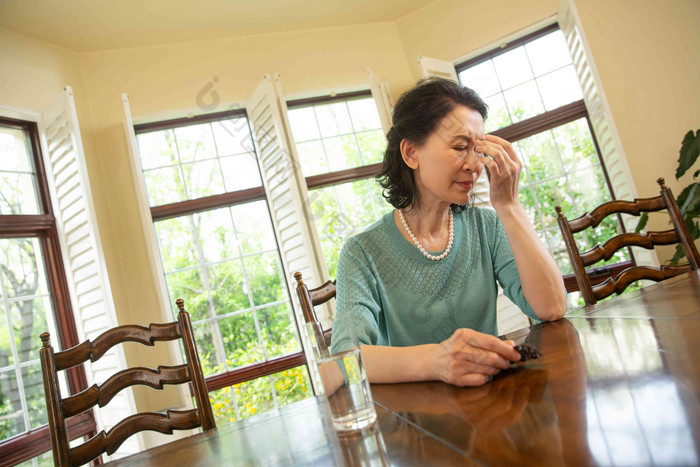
[80,243]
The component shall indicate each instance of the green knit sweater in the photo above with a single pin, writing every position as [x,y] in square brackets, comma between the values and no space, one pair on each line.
[391,294]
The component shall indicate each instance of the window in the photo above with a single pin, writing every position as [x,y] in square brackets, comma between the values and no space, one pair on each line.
[535,101]
[341,145]
[33,296]
[219,254]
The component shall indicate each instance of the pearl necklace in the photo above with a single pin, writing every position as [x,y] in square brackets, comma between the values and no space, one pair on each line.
[420,247]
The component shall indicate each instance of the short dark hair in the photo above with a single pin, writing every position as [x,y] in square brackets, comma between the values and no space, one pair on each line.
[416,116]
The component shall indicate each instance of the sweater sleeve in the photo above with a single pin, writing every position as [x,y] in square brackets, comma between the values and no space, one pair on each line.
[505,269]
[357,299]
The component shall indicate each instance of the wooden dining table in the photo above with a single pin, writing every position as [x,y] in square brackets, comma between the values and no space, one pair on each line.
[618,383]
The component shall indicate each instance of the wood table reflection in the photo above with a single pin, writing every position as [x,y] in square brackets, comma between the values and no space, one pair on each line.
[302,434]
[619,383]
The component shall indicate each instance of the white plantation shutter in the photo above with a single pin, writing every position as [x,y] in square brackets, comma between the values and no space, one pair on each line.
[381,93]
[285,187]
[509,316]
[81,248]
[603,124]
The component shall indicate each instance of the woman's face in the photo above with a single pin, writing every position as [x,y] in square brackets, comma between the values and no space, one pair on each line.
[446,166]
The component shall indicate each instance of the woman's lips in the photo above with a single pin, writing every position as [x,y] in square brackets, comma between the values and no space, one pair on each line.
[466,185]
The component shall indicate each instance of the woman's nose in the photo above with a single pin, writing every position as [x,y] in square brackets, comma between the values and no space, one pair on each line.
[472,161]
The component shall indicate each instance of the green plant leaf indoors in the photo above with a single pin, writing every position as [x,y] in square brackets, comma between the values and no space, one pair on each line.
[690,149]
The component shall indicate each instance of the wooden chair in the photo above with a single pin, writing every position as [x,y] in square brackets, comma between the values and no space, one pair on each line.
[310,298]
[59,408]
[678,234]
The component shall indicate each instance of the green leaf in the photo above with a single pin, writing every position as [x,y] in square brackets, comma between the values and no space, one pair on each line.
[676,257]
[689,201]
[690,149]
[642,222]
[693,201]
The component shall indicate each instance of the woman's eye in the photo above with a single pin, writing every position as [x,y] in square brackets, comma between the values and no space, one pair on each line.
[460,148]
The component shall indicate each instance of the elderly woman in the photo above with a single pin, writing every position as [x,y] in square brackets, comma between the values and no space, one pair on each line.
[419,287]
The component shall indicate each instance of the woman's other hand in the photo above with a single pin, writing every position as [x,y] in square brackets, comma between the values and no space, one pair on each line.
[470,358]
[503,167]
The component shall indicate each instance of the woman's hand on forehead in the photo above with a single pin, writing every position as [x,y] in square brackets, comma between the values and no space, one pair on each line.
[503,168]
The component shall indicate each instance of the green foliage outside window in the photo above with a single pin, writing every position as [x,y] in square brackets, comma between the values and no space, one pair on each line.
[25,305]
[334,136]
[245,399]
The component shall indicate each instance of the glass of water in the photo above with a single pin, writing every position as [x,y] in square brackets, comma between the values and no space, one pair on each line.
[344,381]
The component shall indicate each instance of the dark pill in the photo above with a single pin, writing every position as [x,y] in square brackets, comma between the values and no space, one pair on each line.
[527,352]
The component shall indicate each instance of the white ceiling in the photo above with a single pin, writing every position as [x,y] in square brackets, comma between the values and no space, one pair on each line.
[88,25]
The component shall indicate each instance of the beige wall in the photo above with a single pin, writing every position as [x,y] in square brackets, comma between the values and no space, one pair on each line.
[33,72]
[451,29]
[649,63]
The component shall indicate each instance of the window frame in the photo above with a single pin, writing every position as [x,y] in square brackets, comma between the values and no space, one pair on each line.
[547,121]
[208,203]
[339,176]
[36,441]
[368,172]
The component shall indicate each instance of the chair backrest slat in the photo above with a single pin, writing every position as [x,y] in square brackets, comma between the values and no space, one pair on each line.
[96,349]
[59,409]
[322,293]
[648,240]
[109,442]
[631,275]
[102,394]
[634,208]
[679,234]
